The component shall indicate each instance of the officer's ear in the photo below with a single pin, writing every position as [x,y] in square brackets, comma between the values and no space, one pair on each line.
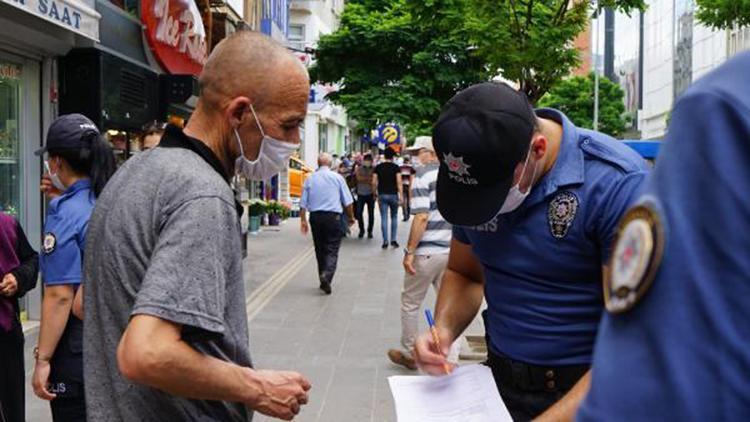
[539,145]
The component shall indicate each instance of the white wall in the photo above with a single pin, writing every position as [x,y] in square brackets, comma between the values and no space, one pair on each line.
[319,17]
[657,68]
[709,50]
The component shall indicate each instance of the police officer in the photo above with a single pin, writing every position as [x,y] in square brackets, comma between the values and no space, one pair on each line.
[537,201]
[78,163]
[674,344]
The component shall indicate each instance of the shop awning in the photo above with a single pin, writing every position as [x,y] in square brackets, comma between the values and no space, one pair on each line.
[73,15]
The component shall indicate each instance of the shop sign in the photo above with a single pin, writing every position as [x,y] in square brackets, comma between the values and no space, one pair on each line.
[10,71]
[176,35]
[70,14]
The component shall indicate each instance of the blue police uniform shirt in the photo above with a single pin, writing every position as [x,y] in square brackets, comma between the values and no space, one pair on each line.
[543,262]
[65,234]
[681,352]
[325,190]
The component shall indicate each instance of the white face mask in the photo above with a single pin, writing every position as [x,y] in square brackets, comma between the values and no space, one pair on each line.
[272,157]
[55,178]
[515,197]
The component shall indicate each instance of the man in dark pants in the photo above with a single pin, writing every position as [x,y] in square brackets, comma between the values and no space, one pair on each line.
[326,196]
[19,266]
[365,196]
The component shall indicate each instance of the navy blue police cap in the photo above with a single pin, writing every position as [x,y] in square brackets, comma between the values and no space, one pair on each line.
[480,137]
[69,131]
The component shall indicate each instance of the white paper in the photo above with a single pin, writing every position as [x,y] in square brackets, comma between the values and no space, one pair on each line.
[469,394]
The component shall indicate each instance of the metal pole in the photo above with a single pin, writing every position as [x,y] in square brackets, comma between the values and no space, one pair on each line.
[596,71]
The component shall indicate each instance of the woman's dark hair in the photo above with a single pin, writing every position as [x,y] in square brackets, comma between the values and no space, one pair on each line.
[97,161]
[154,127]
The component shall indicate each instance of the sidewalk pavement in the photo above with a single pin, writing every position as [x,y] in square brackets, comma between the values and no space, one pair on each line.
[339,342]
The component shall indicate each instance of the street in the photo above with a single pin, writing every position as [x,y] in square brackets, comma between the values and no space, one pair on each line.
[339,342]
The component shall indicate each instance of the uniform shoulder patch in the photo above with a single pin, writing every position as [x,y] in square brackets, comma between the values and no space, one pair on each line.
[561,213]
[638,250]
[49,243]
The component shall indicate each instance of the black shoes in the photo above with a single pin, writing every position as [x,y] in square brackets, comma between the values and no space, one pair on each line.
[369,235]
[394,244]
[385,246]
[325,287]
[361,235]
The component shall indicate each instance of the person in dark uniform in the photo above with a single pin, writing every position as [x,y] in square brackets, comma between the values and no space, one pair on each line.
[534,202]
[674,342]
[79,163]
[19,266]
[328,200]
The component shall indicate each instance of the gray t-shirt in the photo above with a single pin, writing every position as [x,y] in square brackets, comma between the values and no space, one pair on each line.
[164,240]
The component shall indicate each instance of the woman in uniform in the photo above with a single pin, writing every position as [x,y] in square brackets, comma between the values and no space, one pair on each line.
[78,164]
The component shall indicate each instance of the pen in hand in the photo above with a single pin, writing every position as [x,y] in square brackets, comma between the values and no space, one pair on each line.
[435,337]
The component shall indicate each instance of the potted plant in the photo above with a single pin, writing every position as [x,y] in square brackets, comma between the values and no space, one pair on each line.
[286,211]
[275,210]
[255,211]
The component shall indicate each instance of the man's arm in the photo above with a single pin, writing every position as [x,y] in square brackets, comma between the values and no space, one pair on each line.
[152,352]
[375,185]
[400,187]
[303,227]
[459,299]
[418,227]
[566,408]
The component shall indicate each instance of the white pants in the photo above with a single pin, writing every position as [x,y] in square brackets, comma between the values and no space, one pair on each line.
[430,269]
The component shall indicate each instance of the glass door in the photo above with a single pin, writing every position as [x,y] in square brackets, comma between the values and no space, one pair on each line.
[10,136]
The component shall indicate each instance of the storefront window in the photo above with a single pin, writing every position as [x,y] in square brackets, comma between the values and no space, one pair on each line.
[10,154]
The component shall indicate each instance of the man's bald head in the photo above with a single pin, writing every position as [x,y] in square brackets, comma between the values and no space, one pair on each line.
[250,64]
[324,160]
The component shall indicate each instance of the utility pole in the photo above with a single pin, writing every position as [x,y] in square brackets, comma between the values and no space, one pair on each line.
[596,70]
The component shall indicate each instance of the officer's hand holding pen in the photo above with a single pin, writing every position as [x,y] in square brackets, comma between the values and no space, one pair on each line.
[427,356]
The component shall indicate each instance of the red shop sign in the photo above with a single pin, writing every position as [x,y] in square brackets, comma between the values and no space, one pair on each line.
[176,35]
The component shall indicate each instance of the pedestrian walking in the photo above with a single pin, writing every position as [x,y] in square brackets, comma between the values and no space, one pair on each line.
[345,172]
[166,335]
[673,344]
[327,198]
[79,164]
[407,179]
[387,185]
[19,266]
[425,255]
[365,197]
[535,203]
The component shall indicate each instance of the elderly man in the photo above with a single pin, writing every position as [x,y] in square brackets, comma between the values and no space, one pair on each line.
[325,196]
[166,334]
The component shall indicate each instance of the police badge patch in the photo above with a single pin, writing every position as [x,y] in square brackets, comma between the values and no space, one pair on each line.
[50,241]
[638,249]
[562,211]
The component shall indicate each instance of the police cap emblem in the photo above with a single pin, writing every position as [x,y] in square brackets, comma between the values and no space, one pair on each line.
[562,211]
[638,249]
[50,241]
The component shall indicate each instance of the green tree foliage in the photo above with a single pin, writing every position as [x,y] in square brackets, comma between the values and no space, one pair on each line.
[575,97]
[401,60]
[531,41]
[724,14]
[398,61]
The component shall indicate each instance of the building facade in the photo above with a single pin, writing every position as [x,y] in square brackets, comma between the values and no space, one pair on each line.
[678,51]
[326,127]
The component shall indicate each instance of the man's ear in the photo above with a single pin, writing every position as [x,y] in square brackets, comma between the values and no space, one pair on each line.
[237,111]
[539,145]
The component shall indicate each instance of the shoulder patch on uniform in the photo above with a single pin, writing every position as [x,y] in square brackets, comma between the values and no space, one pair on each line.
[50,241]
[561,213]
[638,250]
